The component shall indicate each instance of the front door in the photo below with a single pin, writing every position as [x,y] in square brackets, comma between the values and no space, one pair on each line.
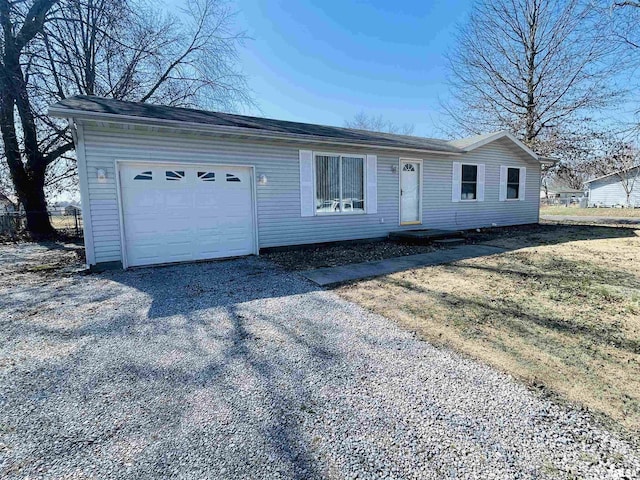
[410,178]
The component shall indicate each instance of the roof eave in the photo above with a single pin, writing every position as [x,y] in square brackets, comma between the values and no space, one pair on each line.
[229,130]
[509,135]
[611,174]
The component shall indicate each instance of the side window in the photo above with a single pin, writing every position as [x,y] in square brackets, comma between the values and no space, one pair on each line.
[144,176]
[469,187]
[513,183]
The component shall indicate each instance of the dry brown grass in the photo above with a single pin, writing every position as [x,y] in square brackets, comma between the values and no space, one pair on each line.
[590,212]
[63,221]
[561,312]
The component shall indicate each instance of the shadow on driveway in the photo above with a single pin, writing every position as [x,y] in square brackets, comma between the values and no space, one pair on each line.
[199,368]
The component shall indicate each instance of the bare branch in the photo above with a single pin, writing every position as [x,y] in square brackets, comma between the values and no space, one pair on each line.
[536,67]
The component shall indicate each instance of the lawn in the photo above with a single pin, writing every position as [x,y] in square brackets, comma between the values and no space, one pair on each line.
[590,212]
[560,311]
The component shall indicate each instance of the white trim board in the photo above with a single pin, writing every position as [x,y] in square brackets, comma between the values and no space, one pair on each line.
[87,222]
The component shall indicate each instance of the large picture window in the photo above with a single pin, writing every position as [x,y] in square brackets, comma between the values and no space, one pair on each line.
[339,184]
[469,188]
[513,183]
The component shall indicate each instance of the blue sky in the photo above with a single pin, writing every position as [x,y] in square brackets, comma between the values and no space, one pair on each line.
[323,61]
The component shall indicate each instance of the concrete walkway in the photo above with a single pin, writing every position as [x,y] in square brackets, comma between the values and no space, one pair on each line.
[586,219]
[358,271]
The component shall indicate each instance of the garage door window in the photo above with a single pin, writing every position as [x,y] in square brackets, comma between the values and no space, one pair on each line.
[207,176]
[232,178]
[144,176]
[174,175]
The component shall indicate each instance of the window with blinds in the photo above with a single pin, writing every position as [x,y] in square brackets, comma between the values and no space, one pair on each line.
[339,181]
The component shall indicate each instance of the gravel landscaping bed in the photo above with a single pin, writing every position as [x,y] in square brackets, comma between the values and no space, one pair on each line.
[307,258]
[313,257]
[238,369]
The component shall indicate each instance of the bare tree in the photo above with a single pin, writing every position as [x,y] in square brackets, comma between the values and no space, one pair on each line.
[624,29]
[535,67]
[373,123]
[123,49]
[625,16]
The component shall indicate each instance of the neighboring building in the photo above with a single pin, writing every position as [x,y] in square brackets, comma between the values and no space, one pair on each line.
[555,191]
[64,208]
[611,190]
[72,209]
[161,184]
[6,205]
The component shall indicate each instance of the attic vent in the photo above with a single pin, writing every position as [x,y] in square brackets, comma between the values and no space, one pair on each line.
[144,176]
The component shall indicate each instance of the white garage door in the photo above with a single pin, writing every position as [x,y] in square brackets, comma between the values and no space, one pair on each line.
[175,213]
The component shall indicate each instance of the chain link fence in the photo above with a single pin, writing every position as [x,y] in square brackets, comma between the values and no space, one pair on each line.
[67,223]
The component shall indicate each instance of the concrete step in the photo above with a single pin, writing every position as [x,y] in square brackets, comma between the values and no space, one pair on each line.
[424,236]
[449,241]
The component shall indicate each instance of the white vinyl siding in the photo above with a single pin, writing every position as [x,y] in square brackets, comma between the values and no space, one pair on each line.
[609,192]
[279,201]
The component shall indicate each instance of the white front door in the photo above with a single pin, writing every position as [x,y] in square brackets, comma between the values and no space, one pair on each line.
[178,212]
[410,178]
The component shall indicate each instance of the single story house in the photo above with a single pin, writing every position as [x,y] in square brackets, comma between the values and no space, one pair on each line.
[72,209]
[64,208]
[611,190]
[555,191]
[162,184]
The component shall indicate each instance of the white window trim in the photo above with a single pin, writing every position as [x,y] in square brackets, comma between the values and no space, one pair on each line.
[469,200]
[364,182]
[506,184]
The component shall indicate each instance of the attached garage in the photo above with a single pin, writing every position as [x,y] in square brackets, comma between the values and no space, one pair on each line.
[178,212]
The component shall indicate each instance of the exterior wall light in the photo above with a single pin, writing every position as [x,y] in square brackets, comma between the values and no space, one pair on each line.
[394,169]
[262,179]
[102,175]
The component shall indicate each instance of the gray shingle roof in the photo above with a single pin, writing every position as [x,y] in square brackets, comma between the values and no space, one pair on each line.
[113,108]
[465,142]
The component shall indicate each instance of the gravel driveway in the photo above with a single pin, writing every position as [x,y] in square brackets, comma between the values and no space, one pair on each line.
[237,369]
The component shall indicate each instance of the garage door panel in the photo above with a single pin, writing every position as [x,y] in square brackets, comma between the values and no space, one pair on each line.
[197,216]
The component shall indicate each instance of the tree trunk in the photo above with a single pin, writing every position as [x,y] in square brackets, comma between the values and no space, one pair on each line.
[30,190]
[27,167]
